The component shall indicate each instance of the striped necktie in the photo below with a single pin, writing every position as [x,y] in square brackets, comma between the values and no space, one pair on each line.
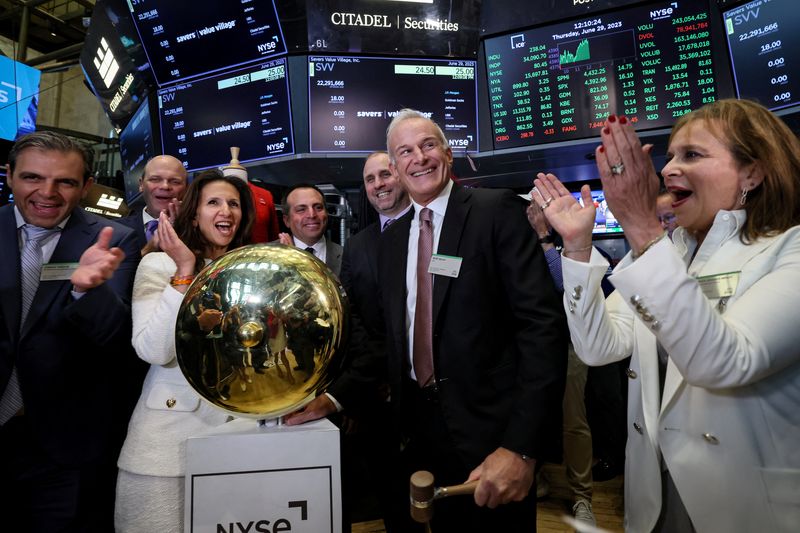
[30,271]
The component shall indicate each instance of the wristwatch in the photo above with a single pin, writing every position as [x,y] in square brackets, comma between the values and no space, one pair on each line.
[547,239]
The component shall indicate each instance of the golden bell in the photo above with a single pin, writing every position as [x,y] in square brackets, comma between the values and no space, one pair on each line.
[283,320]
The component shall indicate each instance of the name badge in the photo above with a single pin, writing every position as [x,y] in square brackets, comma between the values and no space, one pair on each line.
[445,265]
[57,271]
[719,285]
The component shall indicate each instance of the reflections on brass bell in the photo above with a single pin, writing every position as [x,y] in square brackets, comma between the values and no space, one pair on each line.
[258,329]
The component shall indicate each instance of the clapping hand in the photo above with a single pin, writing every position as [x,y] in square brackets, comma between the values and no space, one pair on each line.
[98,263]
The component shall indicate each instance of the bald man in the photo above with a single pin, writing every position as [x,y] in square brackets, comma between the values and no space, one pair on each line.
[163,182]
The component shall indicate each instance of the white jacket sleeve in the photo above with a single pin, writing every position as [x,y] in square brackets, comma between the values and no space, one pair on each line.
[601,329]
[154,307]
[757,335]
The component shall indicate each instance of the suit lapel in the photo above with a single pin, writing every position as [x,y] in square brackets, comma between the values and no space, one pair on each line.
[10,290]
[396,271]
[76,237]
[455,216]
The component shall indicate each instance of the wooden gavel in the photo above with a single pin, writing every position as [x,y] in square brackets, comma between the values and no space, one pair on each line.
[423,493]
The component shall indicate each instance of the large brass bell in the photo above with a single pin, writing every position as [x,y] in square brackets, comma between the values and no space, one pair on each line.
[259,328]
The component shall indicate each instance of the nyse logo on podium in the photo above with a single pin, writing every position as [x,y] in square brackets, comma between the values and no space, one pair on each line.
[265,501]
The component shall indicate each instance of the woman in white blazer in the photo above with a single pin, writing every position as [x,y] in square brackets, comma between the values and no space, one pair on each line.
[712,321]
[215,216]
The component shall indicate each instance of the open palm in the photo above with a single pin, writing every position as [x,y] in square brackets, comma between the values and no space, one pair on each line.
[573,221]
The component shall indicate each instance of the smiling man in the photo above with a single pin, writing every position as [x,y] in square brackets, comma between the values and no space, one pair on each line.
[306,216]
[476,341]
[163,182]
[65,281]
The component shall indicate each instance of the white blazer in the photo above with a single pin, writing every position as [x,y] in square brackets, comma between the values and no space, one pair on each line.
[169,410]
[728,424]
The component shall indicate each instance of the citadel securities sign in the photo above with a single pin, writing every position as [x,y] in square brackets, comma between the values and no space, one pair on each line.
[426,27]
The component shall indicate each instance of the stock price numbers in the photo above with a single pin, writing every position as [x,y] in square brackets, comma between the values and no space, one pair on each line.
[650,63]
[764,46]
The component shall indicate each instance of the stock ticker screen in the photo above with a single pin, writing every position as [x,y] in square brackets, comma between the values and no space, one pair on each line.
[764,43]
[248,108]
[352,100]
[652,63]
[185,38]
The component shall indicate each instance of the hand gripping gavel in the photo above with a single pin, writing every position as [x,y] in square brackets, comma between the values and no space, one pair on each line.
[423,493]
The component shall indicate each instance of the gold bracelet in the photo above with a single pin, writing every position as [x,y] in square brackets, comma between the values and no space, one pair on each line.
[649,245]
[175,281]
[576,250]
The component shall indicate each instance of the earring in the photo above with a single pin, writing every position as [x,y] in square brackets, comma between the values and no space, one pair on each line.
[743,199]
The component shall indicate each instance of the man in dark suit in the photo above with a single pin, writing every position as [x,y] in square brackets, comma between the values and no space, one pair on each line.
[162,185]
[65,281]
[371,445]
[477,361]
[359,276]
[306,216]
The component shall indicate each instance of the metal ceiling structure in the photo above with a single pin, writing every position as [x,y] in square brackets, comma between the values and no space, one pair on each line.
[56,28]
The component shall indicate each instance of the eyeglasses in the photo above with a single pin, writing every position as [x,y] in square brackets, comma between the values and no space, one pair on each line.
[667,219]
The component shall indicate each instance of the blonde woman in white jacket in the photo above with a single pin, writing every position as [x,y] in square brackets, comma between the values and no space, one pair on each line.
[712,320]
[215,216]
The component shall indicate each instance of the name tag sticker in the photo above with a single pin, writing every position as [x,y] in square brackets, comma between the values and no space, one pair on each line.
[445,265]
[57,271]
[719,285]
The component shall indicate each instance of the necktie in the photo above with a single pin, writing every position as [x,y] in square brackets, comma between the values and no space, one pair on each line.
[150,229]
[423,323]
[30,270]
[310,250]
[388,223]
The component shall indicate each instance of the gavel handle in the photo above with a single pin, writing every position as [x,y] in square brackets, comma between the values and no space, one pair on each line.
[456,490]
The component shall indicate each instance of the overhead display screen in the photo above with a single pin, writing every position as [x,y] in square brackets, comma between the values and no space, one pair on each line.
[248,108]
[764,43]
[19,98]
[418,28]
[352,100]
[136,147]
[652,63]
[113,62]
[185,39]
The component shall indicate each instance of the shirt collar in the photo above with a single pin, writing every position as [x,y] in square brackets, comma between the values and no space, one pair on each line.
[146,217]
[384,218]
[726,224]
[318,247]
[439,204]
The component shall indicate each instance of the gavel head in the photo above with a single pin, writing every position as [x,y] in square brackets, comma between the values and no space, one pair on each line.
[421,491]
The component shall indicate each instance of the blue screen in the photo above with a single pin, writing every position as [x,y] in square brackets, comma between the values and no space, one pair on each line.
[19,98]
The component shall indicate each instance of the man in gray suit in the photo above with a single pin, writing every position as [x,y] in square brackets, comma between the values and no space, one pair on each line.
[306,216]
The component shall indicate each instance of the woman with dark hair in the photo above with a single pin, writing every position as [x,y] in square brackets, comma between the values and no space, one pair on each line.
[711,320]
[215,216]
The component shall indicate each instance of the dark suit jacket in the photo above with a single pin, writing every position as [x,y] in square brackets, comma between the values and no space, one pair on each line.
[134,221]
[68,351]
[362,368]
[333,256]
[499,333]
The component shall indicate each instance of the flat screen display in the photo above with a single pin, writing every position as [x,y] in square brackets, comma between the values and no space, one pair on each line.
[604,221]
[248,108]
[353,99]
[427,28]
[136,147]
[764,44]
[113,62]
[652,63]
[19,98]
[189,38]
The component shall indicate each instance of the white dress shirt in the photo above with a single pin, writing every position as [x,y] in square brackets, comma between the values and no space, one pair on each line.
[320,247]
[439,207]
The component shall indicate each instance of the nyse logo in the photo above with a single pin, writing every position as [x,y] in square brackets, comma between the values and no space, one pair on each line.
[105,63]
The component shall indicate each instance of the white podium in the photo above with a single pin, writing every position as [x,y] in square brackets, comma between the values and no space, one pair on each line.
[245,478]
